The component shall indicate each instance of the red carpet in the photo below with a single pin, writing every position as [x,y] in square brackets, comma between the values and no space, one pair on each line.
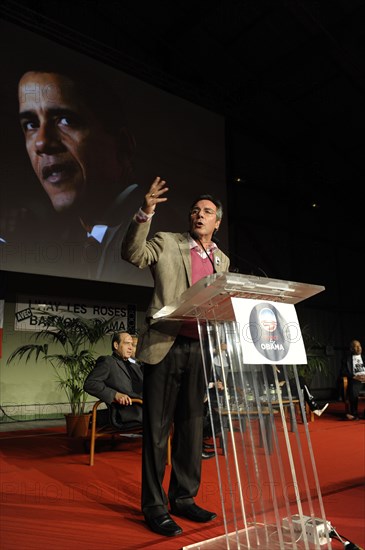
[52,499]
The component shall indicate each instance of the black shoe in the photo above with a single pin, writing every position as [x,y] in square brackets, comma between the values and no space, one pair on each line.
[313,406]
[208,445]
[164,525]
[207,454]
[194,513]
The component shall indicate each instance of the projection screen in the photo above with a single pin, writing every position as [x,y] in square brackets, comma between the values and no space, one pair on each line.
[62,173]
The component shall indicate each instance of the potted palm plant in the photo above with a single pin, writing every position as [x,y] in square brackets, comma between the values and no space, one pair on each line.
[72,361]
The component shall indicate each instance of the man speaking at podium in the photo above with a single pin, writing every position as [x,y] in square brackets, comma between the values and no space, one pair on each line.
[174,383]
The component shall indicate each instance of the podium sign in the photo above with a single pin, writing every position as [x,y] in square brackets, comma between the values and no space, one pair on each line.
[269,332]
[266,475]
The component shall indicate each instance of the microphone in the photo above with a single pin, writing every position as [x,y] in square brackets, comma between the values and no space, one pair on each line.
[253,266]
[196,238]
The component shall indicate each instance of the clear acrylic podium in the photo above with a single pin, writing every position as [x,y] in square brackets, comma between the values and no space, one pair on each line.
[266,473]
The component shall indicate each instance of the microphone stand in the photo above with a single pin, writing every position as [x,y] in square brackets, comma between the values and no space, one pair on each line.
[253,266]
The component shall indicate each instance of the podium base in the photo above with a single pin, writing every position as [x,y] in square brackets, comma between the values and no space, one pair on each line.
[257,537]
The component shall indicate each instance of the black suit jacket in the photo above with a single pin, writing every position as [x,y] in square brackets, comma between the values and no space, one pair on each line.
[110,375]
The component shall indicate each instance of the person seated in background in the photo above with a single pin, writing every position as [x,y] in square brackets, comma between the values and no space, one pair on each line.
[133,357]
[220,364]
[116,379]
[313,405]
[210,417]
[353,366]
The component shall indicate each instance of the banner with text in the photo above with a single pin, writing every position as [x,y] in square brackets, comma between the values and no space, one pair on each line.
[31,312]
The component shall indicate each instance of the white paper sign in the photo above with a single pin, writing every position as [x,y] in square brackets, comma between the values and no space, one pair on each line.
[269,332]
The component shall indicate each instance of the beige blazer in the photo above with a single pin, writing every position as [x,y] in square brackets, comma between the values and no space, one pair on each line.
[168,257]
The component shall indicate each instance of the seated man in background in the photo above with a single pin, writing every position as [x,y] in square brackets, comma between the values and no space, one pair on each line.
[353,367]
[313,405]
[211,416]
[116,379]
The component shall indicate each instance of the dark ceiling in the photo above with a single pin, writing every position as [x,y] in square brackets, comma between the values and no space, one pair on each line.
[289,76]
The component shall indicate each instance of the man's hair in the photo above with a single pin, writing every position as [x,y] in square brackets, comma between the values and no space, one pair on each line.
[117,336]
[101,95]
[212,199]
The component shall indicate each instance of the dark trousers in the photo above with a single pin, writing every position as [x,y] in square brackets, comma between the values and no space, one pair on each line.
[173,396]
[353,389]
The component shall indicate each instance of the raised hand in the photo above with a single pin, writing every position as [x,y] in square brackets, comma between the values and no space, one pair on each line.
[154,195]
